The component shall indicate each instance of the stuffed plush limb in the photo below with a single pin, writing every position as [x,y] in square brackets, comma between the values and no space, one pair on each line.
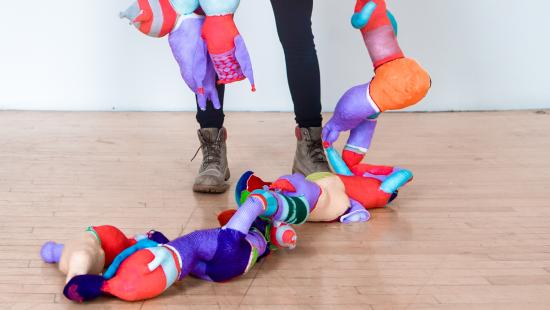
[158,18]
[190,52]
[92,251]
[224,42]
[218,255]
[399,82]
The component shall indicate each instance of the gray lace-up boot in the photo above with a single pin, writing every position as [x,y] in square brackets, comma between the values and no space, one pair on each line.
[310,154]
[214,172]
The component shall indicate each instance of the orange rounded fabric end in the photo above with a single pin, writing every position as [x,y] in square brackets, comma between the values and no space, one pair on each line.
[399,84]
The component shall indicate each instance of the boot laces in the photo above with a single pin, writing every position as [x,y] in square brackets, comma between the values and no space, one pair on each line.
[211,151]
[315,150]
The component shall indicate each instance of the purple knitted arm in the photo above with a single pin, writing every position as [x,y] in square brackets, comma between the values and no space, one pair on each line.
[190,52]
[246,215]
[241,53]
[361,136]
[352,109]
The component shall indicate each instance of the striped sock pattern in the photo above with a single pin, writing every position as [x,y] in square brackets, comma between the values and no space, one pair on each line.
[283,208]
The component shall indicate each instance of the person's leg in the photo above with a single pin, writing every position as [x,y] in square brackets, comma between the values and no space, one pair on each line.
[214,170]
[293,20]
[212,118]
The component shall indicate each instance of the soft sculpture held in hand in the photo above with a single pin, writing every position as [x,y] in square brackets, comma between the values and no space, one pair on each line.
[398,83]
[224,42]
[208,48]
[92,251]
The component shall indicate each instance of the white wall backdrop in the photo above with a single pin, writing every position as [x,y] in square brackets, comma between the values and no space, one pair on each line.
[78,55]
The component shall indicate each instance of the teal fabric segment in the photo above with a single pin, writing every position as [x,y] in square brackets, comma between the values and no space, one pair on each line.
[396,180]
[361,19]
[284,208]
[374,116]
[296,210]
[337,162]
[393,22]
[216,7]
[291,210]
[92,231]
[271,207]
[184,7]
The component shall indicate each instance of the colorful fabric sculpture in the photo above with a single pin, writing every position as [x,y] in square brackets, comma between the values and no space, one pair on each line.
[224,42]
[324,197]
[399,82]
[93,251]
[196,68]
[208,49]
[147,269]
[155,18]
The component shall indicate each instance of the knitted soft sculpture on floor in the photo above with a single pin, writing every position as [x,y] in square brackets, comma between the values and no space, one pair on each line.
[399,82]
[147,269]
[93,251]
[324,197]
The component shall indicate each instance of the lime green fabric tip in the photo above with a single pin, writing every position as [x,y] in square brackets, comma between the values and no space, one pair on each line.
[318,176]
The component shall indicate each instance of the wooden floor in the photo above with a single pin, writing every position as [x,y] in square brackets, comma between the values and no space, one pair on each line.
[471,232]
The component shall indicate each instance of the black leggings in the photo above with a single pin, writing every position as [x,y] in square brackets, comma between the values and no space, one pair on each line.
[293,20]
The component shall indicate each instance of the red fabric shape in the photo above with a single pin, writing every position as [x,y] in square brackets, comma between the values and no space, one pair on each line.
[113,241]
[219,32]
[352,158]
[255,182]
[134,281]
[225,216]
[283,185]
[361,169]
[146,17]
[366,191]
[378,18]
[170,17]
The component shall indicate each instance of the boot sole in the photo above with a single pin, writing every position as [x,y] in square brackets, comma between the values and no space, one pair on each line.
[220,189]
[213,189]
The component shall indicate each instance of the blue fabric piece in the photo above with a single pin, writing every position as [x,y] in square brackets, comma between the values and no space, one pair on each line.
[241,186]
[158,237]
[337,162]
[84,287]
[271,207]
[231,257]
[393,22]
[143,244]
[361,19]
[396,180]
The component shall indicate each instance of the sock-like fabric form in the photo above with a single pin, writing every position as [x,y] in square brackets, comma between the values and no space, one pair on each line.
[283,208]
[379,35]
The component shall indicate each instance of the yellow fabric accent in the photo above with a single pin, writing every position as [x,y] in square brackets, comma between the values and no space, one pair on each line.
[318,176]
